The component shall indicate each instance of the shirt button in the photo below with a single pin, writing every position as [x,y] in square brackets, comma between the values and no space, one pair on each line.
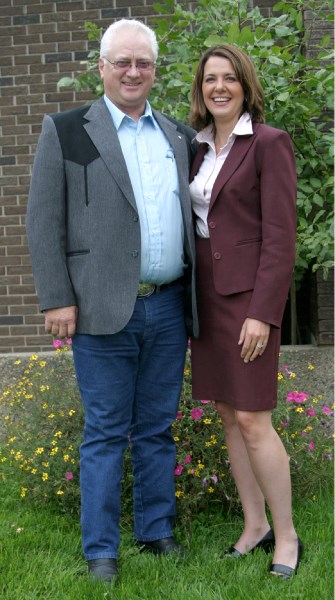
[212,224]
[134,253]
[217,255]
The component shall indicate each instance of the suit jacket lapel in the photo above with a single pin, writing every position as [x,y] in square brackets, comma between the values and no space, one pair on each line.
[177,142]
[237,153]
[103,134]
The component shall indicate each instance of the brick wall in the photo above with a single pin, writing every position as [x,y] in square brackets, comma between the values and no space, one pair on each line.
[40,41]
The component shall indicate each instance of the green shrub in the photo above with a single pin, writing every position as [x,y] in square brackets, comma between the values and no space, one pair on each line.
[42,430]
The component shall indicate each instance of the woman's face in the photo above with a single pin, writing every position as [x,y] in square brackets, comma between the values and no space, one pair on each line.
[222,92]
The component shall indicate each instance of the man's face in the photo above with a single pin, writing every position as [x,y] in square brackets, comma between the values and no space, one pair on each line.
[128,88]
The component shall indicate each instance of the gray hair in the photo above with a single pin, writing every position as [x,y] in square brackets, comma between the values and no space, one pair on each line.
[123,24]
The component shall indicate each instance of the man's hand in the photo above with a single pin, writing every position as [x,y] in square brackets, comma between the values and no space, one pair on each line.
[61,322]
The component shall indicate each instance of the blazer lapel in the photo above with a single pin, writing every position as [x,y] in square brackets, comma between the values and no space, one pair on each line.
[241,146]
[176,139]
[103,134]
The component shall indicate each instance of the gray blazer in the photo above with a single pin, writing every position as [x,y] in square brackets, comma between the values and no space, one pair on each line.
[82,221]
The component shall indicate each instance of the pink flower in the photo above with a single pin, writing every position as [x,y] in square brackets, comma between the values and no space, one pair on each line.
[179,415]
[311,446]
[214,478]
[326,410]
[57,343]
[284,423]
[196,413]
[187,459]
[311,412]
[296,397]
[178,470]
[68,475]
[205,401]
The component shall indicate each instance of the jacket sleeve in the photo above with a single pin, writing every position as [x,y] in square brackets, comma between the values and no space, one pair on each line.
[276,165]
[46,222]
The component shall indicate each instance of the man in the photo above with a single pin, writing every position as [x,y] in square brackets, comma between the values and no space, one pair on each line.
[111,240]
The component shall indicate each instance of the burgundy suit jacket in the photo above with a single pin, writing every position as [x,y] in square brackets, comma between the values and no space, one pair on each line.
[252,220]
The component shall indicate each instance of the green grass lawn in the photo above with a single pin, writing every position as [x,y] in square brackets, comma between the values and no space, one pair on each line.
[40,558]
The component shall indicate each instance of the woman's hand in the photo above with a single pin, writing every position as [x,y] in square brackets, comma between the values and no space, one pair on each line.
[253,338]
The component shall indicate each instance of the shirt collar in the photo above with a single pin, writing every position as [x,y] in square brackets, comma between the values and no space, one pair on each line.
[242,127]
[118,116]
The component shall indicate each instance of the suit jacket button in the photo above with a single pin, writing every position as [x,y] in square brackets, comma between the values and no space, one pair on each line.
[134,253]
[135,218]
[212,224]
[217,255]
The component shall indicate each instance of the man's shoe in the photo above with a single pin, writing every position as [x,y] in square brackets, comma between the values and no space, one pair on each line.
[103,568]
[163,546]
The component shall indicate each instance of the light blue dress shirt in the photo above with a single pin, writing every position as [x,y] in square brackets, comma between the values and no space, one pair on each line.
[154,178]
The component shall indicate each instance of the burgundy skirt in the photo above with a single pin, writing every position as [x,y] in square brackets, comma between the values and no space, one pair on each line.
[218,371]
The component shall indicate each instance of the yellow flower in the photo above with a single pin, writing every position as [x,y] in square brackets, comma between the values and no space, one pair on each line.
[34,357]
[210,490]
[223,474]
[293,435]
[34,471]
[23,492]
[207,421]
[58,434]
[224,447]
[43,388]
[45,464]
[17,362]
[3,459]
[280,376]
[45,405]
[60,493]
[315,400]
[39,450]
[310,367]
[66,458]
[299,409]
[179,493]
[176,438]
[70,447]
[51,416]
[71,412]
[292,375]
[42,363]
[200,465]
[54,451]
[45,476]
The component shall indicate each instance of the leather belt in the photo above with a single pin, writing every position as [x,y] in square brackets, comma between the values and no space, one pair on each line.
[147,289]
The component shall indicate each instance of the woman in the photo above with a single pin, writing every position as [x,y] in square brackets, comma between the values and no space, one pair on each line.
[243,190]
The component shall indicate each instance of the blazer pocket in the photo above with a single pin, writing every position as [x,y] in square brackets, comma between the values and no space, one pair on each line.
[256,240]
[77,253]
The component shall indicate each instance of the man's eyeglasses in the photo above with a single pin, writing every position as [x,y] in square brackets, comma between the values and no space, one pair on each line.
[125,65]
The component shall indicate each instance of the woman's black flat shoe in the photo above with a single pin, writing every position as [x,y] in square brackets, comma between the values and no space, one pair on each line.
[266,543]
[285,572]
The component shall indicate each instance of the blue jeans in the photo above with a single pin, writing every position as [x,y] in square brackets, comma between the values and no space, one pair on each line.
[130,384]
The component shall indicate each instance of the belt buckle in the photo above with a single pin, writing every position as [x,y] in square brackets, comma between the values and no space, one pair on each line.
[145,290]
